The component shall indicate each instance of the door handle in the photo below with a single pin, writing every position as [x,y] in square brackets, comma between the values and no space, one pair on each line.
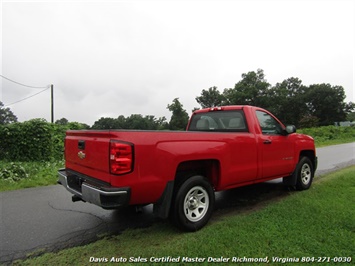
[267,141]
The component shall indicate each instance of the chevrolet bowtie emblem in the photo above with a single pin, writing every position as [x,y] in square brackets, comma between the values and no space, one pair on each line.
[81,155]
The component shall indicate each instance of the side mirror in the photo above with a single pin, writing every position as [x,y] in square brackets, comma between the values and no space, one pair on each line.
[290,129]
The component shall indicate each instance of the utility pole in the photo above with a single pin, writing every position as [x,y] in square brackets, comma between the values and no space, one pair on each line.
[52,105]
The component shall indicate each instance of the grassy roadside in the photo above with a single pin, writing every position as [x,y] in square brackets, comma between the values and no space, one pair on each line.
[318,223]
[330,135]
[320,144]
[19,175]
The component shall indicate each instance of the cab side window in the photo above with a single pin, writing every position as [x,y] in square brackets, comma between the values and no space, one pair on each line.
[268,125]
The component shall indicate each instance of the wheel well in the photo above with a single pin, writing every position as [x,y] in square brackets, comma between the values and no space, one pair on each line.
[310,154]
[207,168]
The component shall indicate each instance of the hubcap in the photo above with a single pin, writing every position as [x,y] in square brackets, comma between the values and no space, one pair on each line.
[196,204]
[306,174]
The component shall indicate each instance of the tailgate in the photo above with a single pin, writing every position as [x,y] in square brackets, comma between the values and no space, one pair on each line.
[87,152]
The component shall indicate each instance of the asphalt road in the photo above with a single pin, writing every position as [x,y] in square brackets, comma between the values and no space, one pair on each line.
[43,219]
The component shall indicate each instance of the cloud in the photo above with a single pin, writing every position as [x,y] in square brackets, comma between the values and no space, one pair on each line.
[112,58]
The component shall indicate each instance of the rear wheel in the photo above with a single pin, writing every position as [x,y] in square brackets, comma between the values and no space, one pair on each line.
[193,203]
[304,174]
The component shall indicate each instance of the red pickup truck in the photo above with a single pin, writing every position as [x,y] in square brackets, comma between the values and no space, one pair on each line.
[222,148]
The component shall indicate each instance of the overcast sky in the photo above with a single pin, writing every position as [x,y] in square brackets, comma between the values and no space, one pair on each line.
[111,58]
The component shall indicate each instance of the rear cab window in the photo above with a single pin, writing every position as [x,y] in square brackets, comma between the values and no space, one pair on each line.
[219,121]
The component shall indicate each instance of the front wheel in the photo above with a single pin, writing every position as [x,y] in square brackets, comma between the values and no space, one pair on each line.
[304,174]
[193,204]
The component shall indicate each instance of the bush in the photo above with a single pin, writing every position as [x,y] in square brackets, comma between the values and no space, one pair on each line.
[33,140]
[330,134]
[308,121]
[21,175]
[13,172]
[30,140]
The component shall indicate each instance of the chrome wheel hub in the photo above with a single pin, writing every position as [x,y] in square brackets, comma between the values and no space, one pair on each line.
[196,204]
[306,174]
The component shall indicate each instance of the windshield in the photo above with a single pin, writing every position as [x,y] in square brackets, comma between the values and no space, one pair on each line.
[219,121]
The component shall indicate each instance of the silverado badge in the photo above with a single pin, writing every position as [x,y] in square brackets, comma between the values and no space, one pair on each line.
[81,155]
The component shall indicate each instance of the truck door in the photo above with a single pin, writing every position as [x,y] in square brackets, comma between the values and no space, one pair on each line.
[277,150]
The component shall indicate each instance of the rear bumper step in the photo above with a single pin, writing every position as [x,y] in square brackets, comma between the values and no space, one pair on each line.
[105,197]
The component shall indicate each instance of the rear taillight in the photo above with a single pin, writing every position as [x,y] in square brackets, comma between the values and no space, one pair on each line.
[121,157]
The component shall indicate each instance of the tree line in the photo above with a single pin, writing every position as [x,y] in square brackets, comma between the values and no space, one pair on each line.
[290,100]
[178,121]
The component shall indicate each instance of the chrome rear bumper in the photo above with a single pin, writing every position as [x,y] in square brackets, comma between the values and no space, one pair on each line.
[103,196]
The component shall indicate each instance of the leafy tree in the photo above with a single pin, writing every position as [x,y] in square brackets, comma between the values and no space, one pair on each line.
[308,121]
[179,118]
[291,101]
[63,121]
[71,125]
[149,122]
[349,108]
[134,121]
[6,115]
[121,122]
[210,98]
[351,117]
[162,123]
[326,102]
[251,90]
[106,123]
[286,101]
[77,126]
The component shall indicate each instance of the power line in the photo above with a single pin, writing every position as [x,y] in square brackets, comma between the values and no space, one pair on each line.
[28,86]
[5,105]
[35,87]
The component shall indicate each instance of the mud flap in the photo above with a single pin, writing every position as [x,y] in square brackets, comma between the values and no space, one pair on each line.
[289,180]
[162,207]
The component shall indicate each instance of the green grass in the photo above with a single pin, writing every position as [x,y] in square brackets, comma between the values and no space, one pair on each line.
[330,135]
[319,222]
[30,174]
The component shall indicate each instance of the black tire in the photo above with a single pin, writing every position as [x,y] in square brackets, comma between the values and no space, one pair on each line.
[193,204]
[304,174]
